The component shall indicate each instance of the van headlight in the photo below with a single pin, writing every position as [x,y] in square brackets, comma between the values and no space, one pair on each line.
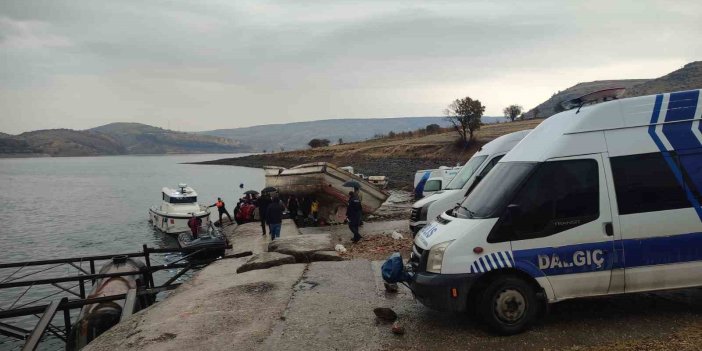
[436,257]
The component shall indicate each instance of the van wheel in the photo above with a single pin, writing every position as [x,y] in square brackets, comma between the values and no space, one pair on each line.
[508,305]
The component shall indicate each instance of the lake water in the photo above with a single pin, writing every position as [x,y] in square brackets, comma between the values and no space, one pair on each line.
[75,206]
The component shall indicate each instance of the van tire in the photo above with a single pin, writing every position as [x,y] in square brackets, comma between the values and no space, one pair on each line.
[508,305]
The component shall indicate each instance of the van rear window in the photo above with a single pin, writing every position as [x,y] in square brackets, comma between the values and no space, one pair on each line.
[646,182]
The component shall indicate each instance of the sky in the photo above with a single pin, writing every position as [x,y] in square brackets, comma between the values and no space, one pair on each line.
[208,64]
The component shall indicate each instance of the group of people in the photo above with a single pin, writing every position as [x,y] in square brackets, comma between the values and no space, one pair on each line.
[272,208]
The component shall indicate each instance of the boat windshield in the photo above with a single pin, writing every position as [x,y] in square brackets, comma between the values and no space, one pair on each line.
[180,199]
[465,173]
[491,195]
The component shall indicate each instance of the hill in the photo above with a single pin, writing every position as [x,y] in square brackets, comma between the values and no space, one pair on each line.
[140,138]
[294,136]
[113,139]
[68,142]
[552,105]
[396,157]
[686,78]
[11,145]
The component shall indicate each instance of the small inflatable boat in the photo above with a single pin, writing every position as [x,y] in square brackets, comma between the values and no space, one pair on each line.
[210,243]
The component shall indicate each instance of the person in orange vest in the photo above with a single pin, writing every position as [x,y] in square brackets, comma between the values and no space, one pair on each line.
[222,210]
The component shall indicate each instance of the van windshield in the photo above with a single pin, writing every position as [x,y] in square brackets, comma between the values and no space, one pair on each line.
[465,173]
[490,197]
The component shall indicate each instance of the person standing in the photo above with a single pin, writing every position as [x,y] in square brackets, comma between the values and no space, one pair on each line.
[305,209]
[263,203]
[274,217]
[359,196]
[194,224]
[222,210]
[353,214]
[314,209]
[293,206]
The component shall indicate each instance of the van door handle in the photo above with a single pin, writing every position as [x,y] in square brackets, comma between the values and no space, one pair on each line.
[609,229]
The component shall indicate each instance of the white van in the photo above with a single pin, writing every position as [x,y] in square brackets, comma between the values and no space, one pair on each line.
[596,201]
[429,181]
[469,175]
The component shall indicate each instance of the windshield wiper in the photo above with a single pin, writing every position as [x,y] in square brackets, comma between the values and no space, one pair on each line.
[471,214]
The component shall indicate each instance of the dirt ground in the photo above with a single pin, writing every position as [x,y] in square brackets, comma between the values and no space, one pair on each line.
[638,322]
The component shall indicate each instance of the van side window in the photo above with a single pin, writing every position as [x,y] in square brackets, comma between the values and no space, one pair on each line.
[432,185]
[558,196]
[645,183]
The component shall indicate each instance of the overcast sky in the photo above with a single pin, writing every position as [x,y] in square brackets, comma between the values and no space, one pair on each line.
[198,65]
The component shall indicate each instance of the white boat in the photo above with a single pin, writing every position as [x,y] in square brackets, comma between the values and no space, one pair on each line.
[177,206]
[324,182]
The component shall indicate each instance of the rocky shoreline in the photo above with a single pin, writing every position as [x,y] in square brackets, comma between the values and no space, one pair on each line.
[400,169]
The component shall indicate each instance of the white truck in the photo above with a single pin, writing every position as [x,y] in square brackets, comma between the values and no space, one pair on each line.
[468,176]
[601,200]
[429,181]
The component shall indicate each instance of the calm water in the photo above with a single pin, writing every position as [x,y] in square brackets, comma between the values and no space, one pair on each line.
[66,207]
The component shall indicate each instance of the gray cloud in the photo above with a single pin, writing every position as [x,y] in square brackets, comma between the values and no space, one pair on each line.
[220,63]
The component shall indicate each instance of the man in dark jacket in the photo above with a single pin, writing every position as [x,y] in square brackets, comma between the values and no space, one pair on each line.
[293,206]
[262,204]
[274,217]
[353,214]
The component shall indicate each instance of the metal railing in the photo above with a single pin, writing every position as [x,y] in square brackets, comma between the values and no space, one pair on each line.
[134,300]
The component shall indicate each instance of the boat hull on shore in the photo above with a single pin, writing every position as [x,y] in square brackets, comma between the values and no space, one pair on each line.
[95,319]
[324,181]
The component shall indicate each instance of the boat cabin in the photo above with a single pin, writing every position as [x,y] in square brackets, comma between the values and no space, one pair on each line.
[184,195]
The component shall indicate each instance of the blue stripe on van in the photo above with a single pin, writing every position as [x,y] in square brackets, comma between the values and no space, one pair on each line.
[663,250]
[593,257]
[678,138]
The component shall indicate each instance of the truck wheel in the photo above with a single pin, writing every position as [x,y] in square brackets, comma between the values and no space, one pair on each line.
[508,305]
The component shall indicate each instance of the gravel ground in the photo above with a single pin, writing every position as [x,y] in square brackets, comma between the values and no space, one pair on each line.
[378,247]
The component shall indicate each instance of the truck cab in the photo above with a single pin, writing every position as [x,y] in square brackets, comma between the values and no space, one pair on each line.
[601,200]
[428,208]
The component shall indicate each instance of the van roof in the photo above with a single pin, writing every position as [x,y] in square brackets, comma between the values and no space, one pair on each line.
[503,143]
[619,126]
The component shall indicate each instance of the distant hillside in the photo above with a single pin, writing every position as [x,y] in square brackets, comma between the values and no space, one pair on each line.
[15,146]
[686,78]
[113,139]
[552,106]
[294,136]
[68,142]
[140,138]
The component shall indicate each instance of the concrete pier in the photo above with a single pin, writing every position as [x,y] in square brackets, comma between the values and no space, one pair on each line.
[329,306]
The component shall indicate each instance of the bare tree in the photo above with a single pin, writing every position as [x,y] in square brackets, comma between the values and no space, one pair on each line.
[464,114]
[512,111]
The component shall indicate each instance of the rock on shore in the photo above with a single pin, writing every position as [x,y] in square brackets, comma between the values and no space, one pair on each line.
[302,247]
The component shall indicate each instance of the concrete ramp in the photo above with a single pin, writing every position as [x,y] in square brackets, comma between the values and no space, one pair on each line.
[331,309]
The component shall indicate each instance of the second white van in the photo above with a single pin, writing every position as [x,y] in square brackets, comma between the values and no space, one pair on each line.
[462,183]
